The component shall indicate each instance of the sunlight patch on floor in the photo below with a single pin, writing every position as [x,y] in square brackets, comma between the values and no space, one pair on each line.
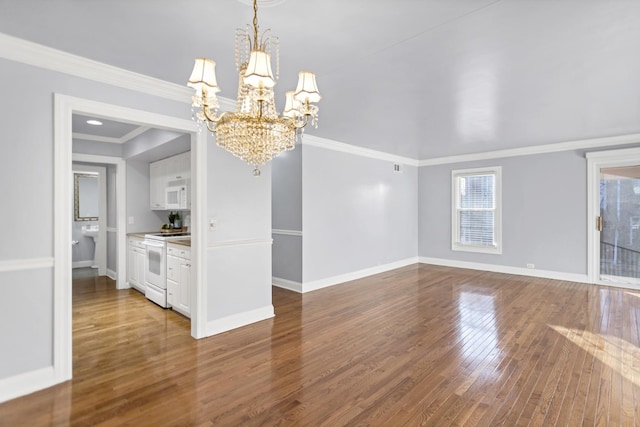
[616,353]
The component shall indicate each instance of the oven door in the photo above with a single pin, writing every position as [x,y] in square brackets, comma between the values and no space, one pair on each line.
[155,273]
[155,269]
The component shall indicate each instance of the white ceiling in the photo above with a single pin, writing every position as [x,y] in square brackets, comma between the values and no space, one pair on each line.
[419,78]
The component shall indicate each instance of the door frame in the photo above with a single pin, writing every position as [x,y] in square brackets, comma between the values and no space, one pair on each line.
[121,212]
[596,161]
[64,108]
[100,255]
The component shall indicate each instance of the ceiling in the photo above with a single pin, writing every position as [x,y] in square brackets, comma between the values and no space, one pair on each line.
[109,131]
[418,78]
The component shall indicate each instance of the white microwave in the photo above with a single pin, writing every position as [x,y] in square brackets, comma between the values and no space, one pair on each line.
[177,196]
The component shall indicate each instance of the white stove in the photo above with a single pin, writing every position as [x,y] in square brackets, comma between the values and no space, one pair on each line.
[155,276]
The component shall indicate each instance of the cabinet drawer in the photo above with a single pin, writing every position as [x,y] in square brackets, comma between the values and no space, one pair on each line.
[136,243]
[173,267]
[180,252]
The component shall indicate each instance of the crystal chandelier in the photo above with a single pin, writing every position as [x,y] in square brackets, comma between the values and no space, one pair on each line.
[254,132]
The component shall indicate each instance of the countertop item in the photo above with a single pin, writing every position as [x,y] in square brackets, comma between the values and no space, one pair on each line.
[184,242]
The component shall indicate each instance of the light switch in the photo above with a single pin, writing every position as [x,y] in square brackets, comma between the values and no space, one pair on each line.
[213,223]
[130,220]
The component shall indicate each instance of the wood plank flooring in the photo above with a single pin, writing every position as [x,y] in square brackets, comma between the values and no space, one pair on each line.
[421,345]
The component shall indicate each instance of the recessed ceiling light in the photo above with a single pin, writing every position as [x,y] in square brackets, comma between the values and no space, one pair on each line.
[94,122]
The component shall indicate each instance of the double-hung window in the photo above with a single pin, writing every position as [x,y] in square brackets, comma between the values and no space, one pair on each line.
[476,210]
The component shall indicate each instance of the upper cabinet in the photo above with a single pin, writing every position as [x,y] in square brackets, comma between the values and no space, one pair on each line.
[165,171]
[179,167]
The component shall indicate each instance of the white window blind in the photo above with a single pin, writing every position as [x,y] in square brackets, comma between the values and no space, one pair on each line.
[476,210]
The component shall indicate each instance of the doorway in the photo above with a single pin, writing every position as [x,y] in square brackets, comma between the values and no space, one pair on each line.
[614,217]
[64,108]
[89,244]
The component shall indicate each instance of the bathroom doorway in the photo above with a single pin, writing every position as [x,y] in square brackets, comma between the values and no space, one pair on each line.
[90,221]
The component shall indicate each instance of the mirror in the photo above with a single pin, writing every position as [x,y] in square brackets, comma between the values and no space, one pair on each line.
[85,194]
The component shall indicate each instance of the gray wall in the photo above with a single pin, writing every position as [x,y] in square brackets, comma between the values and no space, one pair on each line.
[138,204]
[357,213]
[156,144]
[286,209]
[544,201]
[26,120]
[98,148]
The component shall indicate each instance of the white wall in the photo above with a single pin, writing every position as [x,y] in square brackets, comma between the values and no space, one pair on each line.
[239,248]
[112,244]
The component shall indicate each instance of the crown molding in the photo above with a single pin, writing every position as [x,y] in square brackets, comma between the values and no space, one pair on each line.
[26,52]
[582,144]
[329,144]
[37,55]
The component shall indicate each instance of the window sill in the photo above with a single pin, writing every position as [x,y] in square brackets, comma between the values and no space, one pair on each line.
[495,250]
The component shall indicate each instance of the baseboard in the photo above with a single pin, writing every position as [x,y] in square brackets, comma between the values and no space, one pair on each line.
[82,264]
[112,274]
[237,320]
[341,278]
[519,271]
[287,284]
[27,383]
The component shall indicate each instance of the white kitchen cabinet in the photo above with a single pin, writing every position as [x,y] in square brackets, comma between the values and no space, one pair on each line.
[165,171]
[179,167]
[135,264]
[179,278]
[157,184]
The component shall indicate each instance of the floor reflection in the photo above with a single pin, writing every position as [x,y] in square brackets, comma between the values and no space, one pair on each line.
[477,324]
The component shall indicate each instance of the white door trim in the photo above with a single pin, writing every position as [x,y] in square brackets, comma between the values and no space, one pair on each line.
[596,161]
[64,108]
[121,212]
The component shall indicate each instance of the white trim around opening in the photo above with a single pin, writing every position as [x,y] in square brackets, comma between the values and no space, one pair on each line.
[595,162]
[64,108]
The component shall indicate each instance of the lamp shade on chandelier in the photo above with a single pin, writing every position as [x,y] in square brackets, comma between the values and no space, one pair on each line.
[254,132]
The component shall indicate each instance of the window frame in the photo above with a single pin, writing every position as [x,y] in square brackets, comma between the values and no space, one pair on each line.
[456,245]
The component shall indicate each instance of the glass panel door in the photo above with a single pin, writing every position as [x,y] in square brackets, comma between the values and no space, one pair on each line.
[619,225]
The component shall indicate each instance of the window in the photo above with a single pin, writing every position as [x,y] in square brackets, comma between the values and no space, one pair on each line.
[476,210]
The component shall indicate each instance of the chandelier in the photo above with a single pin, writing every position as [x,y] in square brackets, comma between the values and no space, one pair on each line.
[254,132]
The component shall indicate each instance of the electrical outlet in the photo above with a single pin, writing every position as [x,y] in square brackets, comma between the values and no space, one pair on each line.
[531,266]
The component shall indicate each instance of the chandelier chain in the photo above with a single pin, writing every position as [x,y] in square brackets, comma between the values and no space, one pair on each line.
[255,24]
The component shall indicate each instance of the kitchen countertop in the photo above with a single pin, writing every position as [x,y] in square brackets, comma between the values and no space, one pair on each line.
[140,234]
[184,242]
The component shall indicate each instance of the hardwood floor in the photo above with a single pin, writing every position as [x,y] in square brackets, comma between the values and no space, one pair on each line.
[422,345]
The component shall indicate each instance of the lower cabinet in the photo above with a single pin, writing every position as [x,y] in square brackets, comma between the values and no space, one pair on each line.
[135,263]
[179,278]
